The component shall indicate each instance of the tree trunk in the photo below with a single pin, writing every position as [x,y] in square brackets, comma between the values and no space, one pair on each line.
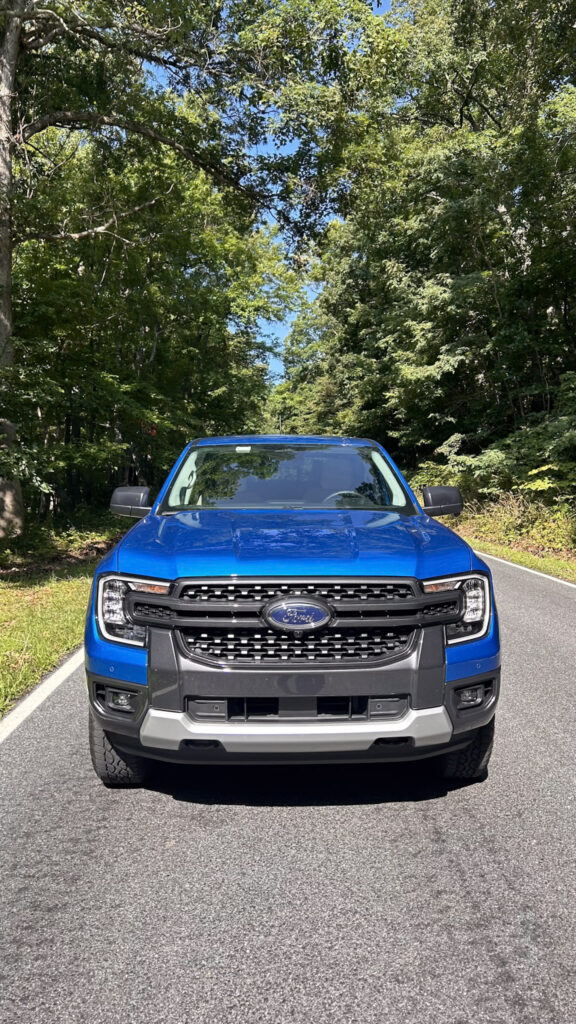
[11,501]
[11,504]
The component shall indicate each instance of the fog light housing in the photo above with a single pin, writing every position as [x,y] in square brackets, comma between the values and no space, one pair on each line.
[120,700]
[470,696]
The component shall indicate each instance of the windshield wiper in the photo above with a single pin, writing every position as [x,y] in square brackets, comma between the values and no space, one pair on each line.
[282,505]
[232,508]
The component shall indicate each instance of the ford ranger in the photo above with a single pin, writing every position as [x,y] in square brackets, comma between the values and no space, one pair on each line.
[288,599]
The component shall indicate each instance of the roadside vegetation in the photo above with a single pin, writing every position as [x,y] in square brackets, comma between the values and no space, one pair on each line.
[148,155]
[442,319]
[183,177]
[524,531]
[44,586]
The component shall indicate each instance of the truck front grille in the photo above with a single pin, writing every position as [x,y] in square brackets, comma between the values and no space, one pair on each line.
[331,591]
[247,646]
[224,621]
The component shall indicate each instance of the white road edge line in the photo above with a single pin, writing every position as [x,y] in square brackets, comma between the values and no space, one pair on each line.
[555,579]
[24,709]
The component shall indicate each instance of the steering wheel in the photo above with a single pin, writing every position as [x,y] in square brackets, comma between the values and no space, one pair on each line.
[337,494]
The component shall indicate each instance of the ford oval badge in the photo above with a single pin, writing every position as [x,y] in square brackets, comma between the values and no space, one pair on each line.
[295,614]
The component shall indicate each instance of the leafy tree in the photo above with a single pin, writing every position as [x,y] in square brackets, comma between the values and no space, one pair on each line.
[132,338]
[445,322]
[252,94]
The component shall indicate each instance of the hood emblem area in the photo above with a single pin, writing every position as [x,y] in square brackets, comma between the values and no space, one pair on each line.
[295,614]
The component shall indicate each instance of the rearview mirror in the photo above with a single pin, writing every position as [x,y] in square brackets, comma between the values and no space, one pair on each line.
[442,501]
[131,501]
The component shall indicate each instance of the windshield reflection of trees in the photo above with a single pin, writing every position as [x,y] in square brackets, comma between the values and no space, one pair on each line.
[220,476]
[294,478]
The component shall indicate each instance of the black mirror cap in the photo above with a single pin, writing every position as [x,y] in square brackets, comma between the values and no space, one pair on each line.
[442,501]
[131,501]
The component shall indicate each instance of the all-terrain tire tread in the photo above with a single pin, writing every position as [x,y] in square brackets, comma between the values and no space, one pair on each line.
[113,768]
[472,762]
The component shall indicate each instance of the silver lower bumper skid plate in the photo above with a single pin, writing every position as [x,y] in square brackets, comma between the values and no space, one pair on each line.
[166,730]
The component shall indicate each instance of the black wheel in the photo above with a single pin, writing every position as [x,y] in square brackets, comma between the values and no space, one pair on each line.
[472,761]
[113,768]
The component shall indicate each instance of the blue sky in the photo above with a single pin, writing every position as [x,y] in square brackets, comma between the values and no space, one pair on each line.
[279,332]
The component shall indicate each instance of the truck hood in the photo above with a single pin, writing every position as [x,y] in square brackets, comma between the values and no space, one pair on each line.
[316,542]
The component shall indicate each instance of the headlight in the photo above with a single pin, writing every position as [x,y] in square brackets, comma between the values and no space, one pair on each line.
[476,619]
[111,612]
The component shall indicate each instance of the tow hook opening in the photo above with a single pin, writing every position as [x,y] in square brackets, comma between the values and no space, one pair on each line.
[201,743]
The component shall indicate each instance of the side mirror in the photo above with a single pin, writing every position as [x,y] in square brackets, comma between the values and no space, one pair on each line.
[131,501]
[442,501]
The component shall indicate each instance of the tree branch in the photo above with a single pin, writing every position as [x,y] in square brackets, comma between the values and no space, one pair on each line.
[133,39]
[469,97]
[102,229]
[78,119]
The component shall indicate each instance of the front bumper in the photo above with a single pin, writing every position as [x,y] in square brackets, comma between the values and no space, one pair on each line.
[167,730]
[162,726]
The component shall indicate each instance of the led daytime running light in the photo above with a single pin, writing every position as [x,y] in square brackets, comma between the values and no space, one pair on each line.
[113,619]
[476,590]
[151,588]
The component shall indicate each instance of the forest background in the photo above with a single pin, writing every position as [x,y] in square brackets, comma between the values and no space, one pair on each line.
[396,184]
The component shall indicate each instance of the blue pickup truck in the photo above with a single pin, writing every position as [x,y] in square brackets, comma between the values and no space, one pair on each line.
[288,600]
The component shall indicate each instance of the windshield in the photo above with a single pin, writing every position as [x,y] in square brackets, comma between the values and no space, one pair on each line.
[286,476]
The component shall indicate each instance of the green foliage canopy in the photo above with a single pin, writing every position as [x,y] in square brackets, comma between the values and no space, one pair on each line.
[445,323]
[153,146]
[133,339]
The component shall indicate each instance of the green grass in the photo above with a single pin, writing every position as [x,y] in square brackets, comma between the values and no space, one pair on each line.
[562,568]
[45,582]
[40,622]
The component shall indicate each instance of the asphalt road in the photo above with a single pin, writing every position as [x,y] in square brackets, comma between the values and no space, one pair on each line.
[354,894]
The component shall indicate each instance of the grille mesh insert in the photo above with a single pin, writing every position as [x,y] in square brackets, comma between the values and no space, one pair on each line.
[330,591]
[248,646]
[446,608]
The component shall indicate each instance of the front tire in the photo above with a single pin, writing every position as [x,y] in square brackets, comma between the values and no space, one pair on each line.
[472,762]
[112,767]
